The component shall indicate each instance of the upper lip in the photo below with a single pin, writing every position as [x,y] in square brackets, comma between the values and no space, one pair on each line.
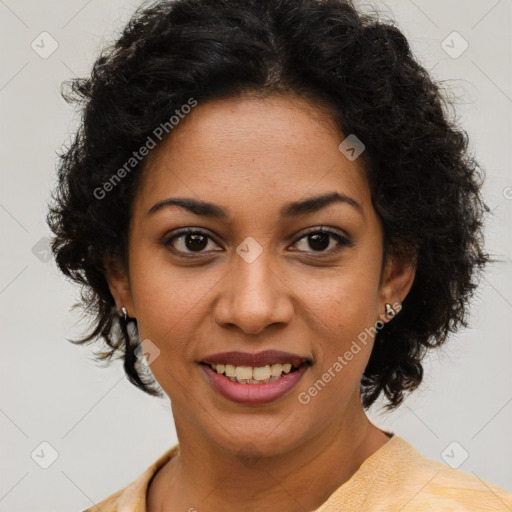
[267,357]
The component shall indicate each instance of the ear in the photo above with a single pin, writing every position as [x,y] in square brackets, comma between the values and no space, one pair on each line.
[397,278]
[119,285]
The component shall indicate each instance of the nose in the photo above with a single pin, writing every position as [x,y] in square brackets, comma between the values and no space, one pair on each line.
[253,297]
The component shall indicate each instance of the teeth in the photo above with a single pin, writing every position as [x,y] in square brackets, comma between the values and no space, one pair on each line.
[243,372]
[276,370]
[261,373]
[253,375]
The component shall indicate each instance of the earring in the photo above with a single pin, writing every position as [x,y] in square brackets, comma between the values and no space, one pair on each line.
[123,310]
[390,311]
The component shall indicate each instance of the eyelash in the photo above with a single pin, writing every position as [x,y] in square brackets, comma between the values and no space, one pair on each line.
[342,241]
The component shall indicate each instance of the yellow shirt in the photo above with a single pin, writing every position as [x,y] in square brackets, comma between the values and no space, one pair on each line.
[395,478]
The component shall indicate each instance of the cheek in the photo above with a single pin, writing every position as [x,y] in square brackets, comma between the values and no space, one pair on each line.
[159,296]
[160,289]
[171,303]
[344,299]
[343,310]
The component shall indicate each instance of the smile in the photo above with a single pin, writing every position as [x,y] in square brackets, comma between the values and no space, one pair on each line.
[253,385]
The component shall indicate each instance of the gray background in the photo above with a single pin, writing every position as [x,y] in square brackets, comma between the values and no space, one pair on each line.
[105,431]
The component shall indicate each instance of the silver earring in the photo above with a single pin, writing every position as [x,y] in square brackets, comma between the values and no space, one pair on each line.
[123,310]
[390,311]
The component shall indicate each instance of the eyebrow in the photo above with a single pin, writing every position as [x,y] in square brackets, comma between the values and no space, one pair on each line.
[294,209]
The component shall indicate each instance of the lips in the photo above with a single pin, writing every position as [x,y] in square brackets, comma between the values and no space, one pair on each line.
[267,357]
[253,394]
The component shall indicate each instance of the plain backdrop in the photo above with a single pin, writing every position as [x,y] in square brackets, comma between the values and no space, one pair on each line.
[98,431]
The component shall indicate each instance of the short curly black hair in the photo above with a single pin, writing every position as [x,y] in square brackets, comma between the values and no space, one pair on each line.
[425,186]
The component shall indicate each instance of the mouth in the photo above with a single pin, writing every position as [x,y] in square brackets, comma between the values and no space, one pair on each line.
[255,374]
[254,385]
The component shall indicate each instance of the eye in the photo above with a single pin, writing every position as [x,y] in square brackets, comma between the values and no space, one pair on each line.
[324,241]
[189,241]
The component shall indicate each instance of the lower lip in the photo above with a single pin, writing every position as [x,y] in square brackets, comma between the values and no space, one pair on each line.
[253,394]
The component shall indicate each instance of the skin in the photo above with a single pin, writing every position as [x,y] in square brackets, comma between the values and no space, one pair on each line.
[251,156]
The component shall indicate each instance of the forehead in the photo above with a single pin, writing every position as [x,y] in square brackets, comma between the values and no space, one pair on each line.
[255,150]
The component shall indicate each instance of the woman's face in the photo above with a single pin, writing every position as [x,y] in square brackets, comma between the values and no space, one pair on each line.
[253,280]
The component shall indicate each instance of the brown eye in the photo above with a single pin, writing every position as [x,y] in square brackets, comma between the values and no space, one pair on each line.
[189,241]
[323,241]
[195,242]
[319,241]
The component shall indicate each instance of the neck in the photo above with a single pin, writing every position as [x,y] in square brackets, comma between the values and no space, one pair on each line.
[209,477]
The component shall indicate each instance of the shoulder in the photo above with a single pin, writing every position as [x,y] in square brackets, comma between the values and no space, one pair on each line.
[420,484]
[133,497]
[110,504]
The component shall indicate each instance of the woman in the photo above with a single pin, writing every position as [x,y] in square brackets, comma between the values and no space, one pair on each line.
[271,213]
